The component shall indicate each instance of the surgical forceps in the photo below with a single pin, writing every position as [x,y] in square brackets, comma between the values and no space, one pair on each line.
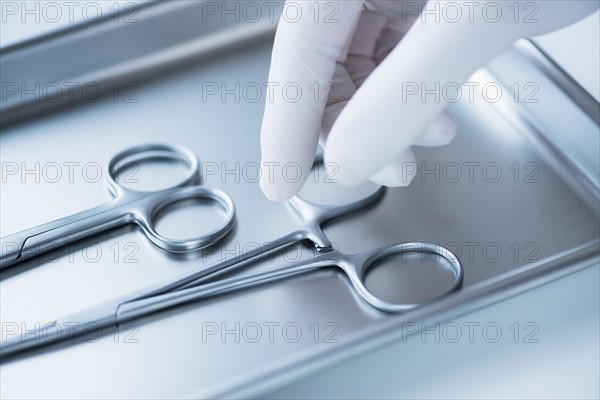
[192,286]
[127,206]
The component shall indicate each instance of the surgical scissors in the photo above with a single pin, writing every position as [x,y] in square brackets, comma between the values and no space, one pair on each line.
[127,206]
[192,286]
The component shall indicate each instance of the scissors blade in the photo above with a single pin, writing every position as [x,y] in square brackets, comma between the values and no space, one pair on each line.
[65,329]
[43,238]
[11,247]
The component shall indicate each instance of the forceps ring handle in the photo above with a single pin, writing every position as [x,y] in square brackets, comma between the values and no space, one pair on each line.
[356,267]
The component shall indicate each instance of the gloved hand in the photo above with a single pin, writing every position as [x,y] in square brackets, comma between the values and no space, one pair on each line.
[362,52]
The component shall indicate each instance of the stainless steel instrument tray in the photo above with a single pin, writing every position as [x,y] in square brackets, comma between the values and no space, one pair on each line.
[525,190]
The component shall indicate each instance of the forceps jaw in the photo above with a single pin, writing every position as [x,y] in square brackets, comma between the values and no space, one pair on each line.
[66,329]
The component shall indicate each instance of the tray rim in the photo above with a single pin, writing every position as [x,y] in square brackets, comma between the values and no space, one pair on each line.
[480,295]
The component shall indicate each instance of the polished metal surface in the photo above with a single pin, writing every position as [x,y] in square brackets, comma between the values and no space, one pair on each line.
[529,220]
[191,286]
[127,206]
[105,57]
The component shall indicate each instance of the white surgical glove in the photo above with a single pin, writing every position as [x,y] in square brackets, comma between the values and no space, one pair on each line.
[364,51]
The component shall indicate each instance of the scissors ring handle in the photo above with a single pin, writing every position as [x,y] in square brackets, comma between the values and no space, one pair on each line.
[147,152]
[157,203]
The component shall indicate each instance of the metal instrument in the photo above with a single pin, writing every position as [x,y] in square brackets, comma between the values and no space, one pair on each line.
[192,286]
[127,206]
